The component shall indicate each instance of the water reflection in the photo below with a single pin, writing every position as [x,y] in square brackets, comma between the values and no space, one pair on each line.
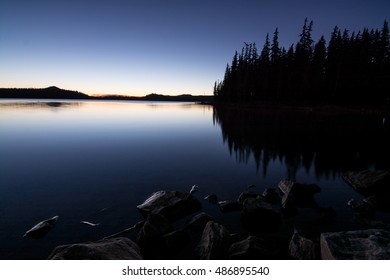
[325,143]
[11,104]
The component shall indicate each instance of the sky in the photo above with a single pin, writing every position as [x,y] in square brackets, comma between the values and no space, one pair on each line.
[134,47]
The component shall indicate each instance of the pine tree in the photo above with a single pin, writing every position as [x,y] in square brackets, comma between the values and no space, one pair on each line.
[318,68]
[275,50]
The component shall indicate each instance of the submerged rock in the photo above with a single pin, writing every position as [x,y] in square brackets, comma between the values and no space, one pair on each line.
[229,206]
[41,229]
[369,182]
[212,198]
[171,204]
[120,248]
[370,244]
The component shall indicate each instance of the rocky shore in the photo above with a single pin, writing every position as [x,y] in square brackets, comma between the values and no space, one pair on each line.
[266,219]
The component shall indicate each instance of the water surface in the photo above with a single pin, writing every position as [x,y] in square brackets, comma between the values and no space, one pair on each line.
[96,161]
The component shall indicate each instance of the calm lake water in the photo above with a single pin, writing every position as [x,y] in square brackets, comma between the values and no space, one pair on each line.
[96,161]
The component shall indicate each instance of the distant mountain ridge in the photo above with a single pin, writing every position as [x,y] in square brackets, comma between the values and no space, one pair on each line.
[54,92]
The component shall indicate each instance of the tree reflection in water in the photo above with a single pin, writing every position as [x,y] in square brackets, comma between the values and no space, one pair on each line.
[326,140]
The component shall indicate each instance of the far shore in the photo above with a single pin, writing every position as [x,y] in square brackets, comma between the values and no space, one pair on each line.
[331,109]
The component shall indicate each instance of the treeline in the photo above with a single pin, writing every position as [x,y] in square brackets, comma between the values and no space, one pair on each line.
[353,68]
[58,93]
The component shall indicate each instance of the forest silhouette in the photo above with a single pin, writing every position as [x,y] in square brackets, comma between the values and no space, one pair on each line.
[352,69]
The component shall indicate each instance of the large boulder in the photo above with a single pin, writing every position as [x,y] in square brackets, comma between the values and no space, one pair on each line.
[370,244]
[173,205]
[214,243]
[369,182]
[120,248]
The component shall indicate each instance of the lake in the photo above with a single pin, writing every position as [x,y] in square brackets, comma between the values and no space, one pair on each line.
[95,161]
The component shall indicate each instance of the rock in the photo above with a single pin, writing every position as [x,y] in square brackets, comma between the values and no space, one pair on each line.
[214,243]
[150,236]
[326,216]
[175,241]
[253,247]
[289,206]
[369,182]
[41,229]
[171,204]
[259,216]
[301,194]
[371,244]
[212,198]
[229,206]
[244,195]
[199,221]
[378,202]
[155,225]
[298,189]
[271,195]
[361,208]
[194,189]
[304,248]
[120,248]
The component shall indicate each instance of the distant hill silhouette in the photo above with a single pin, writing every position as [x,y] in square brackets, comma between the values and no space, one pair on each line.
[57,93]
[42,93]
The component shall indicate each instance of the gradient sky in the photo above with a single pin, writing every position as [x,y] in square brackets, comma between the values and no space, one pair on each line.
[140,47]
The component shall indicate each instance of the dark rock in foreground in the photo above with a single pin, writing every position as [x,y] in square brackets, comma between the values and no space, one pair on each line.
[171,204]
[259,216]
[256,248]
[150,236]
[214,243]
[199,221]
[369,182]
[370,244]
[298,195]
[304,248]
[120,248]
[267,230]
[379,202]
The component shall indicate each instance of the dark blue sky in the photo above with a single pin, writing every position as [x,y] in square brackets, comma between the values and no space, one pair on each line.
[139,47]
